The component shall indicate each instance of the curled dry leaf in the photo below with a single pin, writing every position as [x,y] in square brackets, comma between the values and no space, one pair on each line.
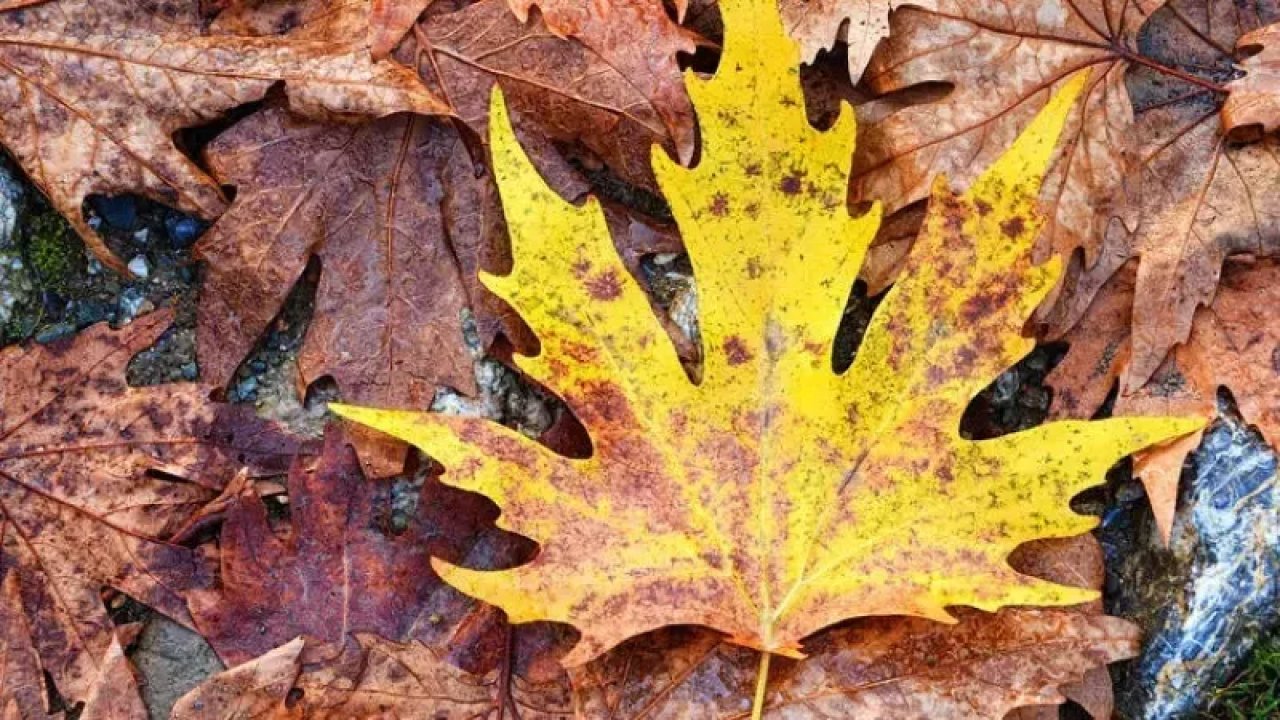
[379,204]
[883,668]
[83,505]
[1147,171]
[1234,344]
[344,568]
[96,89]
[1255,98]
[394,682]
[568,89]
[846,495]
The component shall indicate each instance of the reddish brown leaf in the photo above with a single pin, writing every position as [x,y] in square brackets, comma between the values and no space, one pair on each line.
[638,40]
[22,692]
[569,89]
[95,90]
[343,568]
[390,21]
[375,203]
[82,509]
[899,668]
[1148,174]
[394,682]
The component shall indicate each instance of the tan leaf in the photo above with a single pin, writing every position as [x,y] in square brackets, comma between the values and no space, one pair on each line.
[115,693]
[22,691]
[1152,177]
[80,510]
[862,24]
[95,89]
[1255,98]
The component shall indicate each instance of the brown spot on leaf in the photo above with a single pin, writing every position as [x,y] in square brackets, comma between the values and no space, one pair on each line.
[735,350]
[1013,227]
[605,286]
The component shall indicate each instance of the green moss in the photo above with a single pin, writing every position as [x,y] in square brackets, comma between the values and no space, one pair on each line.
[53,251]
[1255,693]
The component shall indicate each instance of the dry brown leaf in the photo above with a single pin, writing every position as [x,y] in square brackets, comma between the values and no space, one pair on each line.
[394,682]
[882,668]
[115,693]
[638,40]
[22,691]
[1255,98]
[343,568]
[378,204]
[95,90]
[1234,343]
[390,21]
[83,508]
[568,89]
[1153,178]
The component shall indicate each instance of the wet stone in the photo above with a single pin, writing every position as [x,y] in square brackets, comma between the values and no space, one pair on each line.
[1214,592]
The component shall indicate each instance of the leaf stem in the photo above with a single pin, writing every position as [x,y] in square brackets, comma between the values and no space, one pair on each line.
[762,680]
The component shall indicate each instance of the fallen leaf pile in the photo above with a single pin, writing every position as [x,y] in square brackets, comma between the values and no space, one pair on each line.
[719,522]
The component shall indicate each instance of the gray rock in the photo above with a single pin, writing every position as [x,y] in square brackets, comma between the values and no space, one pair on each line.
[16,285]
[170,660]
[1214,592]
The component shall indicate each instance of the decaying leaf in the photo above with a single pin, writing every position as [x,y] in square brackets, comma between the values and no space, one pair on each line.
[638,40]
[1147,172]
[114,695]
[378,205]
[395,682]
[862,24]
[775,497]
[571,89]
[95,90]
[390,21]
[83,505]
[1255,98]
[880,668]
[1234,344]
[344,567]
[22,692]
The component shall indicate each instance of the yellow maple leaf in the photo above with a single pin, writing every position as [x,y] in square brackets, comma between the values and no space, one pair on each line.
[774,497]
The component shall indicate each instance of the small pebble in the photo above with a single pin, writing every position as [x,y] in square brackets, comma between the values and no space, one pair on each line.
[182,230]
[138,266]
[131,302]
[142,237]
[120,212]
[189,371]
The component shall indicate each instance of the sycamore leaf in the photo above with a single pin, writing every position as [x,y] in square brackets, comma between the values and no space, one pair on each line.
[81,508]
[394,682]
[1147,171]
[775,497]
[95,89]
[884,668]
[1234,344]
[390,21]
